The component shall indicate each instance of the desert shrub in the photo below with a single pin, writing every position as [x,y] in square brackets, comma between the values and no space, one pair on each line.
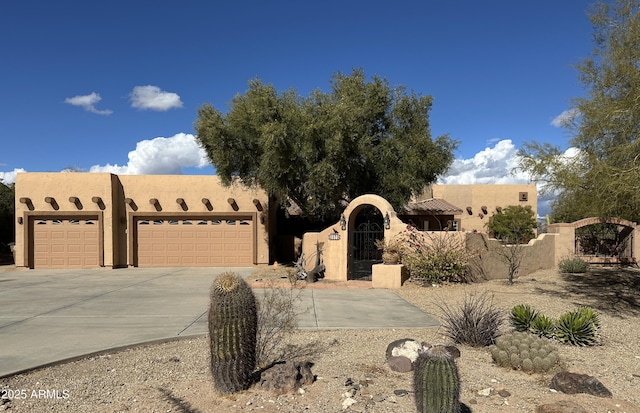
[476,322]
[522,351]
[277,318]
[436,258]
[578,328]
[573,265]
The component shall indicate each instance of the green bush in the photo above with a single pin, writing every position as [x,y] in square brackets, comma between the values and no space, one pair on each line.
[573,265]
[435,258]
[476,323]
[522,351]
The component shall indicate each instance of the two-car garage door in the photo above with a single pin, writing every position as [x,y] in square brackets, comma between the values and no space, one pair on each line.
[178,242]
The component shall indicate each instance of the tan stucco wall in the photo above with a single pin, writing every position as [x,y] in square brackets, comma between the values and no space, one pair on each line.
[476,196]
[538,254]
[60,186]
[117,214]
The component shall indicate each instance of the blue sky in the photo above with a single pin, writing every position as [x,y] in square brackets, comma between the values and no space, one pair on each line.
[115,86]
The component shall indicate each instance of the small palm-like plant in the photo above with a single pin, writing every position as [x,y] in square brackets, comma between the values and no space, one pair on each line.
[576,328]
[543,326]
[522,316]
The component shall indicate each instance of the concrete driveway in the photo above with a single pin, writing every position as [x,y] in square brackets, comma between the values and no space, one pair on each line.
[51,315]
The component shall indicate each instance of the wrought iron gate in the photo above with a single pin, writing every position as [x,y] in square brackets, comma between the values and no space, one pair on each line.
[364,252]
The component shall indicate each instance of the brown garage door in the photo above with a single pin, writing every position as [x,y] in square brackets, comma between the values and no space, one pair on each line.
[195,242]
[65,243]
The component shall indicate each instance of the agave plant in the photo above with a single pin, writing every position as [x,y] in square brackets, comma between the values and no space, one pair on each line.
[589,313]
[576,328]
[543,326]
[521,317]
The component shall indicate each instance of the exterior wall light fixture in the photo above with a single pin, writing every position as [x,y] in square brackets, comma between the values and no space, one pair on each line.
[343,222]
[387,221]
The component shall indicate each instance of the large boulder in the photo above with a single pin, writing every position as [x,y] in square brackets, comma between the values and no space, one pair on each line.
[572,383]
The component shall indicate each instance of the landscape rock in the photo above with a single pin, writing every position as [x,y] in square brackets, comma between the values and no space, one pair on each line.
[401,364]
[562,406]
[286,377]
[572,383]
[397,343]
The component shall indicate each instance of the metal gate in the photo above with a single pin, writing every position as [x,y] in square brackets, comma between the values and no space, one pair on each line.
[364,252]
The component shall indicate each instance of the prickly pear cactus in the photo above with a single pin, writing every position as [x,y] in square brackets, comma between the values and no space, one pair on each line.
[233,325]
[436,382]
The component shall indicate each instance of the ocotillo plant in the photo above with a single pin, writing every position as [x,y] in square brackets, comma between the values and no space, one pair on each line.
[233,325]
[436,382]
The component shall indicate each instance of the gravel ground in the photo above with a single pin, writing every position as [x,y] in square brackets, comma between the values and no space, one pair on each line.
[175,377]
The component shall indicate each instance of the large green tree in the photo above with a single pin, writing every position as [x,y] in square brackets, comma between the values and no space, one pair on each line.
[602,176]
[321,151]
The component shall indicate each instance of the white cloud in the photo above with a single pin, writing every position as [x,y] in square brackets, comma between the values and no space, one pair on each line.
[10,177]
[88,103]
[490,166]
[563,119]
[152,97]
[161,156]
[495,165]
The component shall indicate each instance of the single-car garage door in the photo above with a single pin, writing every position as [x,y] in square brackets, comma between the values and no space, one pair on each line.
[195,242]
[65,243]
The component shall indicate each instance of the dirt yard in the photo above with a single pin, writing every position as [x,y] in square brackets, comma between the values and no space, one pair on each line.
[350,364]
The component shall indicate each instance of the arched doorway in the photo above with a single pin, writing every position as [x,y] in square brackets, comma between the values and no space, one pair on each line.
[366,227]
[605,241]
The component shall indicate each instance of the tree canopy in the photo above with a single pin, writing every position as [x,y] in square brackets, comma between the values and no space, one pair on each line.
[514,225]
[601,178]
[323,150]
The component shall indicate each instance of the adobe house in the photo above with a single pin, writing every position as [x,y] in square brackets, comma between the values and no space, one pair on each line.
[465,207]
[75,220]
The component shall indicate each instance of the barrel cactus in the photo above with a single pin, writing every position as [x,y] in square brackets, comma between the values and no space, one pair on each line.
[436,382]
[233,325]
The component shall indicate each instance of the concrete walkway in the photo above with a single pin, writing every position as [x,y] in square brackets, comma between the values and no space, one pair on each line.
[51,315]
